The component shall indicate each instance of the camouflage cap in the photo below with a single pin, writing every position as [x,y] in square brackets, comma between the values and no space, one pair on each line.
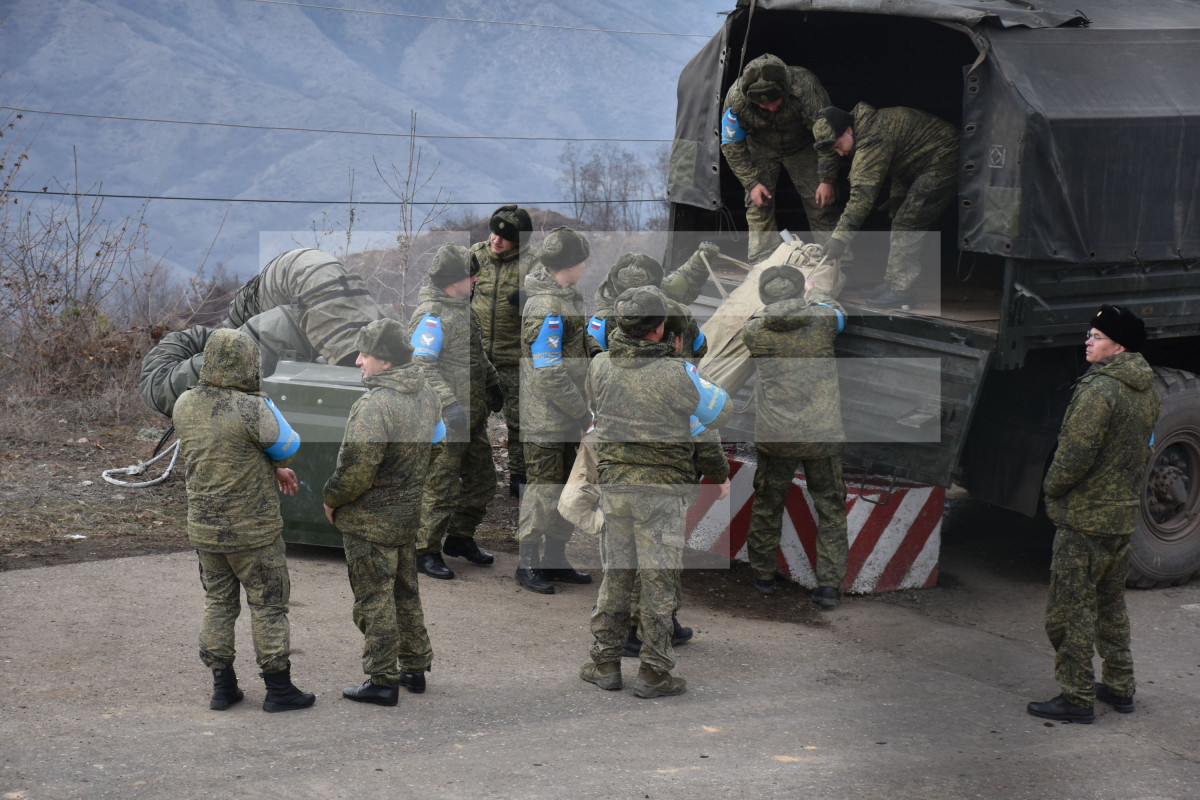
[1122,326]
[509,222]
[564,248]
[764,80]
[636,269]
[781,282]
[640,310]
[831,123]
[451,264]
[384,339]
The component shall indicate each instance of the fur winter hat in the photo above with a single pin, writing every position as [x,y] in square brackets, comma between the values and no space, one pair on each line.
[640,310]
[563,248]
[781,282]
[451,264]
[1122,326]
[509,222]
[384,339]
[831,123]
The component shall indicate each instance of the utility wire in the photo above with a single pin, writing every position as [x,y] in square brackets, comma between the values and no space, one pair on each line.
[326,130]
[107,196]
[484,21]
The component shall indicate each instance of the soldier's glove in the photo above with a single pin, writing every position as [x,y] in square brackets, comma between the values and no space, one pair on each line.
[495,399]
[517,299]
[454,417]
[835,249]
[709,249]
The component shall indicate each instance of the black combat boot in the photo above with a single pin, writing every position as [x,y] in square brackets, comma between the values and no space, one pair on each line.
[282,695]
[465,547]
[555,566]
[528,574]
[434,566]
[368,692]
[516,484]
[225,689]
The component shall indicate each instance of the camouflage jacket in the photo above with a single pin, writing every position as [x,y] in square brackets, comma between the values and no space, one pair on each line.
[381,467]
[499,320]
[553,361]
[644,400]
[797,403]
[1094,483]
[751,135]
[895,143]
[457,369]
[224,425]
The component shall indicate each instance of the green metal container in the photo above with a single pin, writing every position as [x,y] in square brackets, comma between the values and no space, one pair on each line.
[315,399]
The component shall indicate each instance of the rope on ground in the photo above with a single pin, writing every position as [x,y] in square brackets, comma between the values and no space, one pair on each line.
[140,468]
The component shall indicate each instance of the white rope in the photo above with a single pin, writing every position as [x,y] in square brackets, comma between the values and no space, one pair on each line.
[140,468]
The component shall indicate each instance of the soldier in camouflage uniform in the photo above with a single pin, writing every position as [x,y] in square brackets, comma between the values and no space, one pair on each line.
[504,261]
[554,412]
[918,153]
[1093,490]
[767,128]
[462,479]
[374,499]
[798,421]
[236,446]
[645,401]
[681,287]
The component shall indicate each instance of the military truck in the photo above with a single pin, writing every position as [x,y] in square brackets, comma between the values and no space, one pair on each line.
[1079,185]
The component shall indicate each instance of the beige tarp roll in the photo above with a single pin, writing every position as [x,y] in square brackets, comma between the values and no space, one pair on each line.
[727,363]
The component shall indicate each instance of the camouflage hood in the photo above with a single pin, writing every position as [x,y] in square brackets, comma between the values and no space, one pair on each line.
[630,353]
[407,379]
[1130,369]
[231,361]
[631,269]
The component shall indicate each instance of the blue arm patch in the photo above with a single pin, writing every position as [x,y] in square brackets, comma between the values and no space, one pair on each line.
[427,338]
[697,427]
[288,441]
[699,341]
[598,330]
[712,397]
[547,348]
[731,129]
[439,431]
[841,318]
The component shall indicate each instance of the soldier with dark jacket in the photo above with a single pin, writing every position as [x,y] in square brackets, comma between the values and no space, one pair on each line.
[504,261]
[646,402]
[767,129]
[554,411]
[1093,491]
[237,446]
[797,421]
[374,499]
[918,154]
[681,287]
[462,479]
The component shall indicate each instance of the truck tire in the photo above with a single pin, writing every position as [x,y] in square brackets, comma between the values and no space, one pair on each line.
[1165,549]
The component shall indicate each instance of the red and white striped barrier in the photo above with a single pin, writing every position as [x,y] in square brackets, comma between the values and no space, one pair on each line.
[895,530]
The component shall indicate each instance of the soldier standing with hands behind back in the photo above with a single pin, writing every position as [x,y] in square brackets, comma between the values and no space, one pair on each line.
[1093,492]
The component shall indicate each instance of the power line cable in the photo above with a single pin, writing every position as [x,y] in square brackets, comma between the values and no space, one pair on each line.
[523,203]
[327,130]
[484,21]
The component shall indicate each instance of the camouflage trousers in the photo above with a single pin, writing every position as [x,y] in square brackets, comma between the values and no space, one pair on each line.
[461,481]
[1085,610]
[510,384]
[772,482]
[263,572]
[927,198]
[802,169]
[387,609]
[641,546]
[547,467]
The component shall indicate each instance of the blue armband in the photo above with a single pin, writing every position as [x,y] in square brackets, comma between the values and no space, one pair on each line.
[439,431]
[731,129]
[696,425]
[841,318]
[598,330]
[712,397]
[427,338]
[547,348]
[288,441]
[699,341]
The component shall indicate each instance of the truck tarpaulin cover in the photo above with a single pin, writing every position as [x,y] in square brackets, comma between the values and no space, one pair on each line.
[1081,135]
